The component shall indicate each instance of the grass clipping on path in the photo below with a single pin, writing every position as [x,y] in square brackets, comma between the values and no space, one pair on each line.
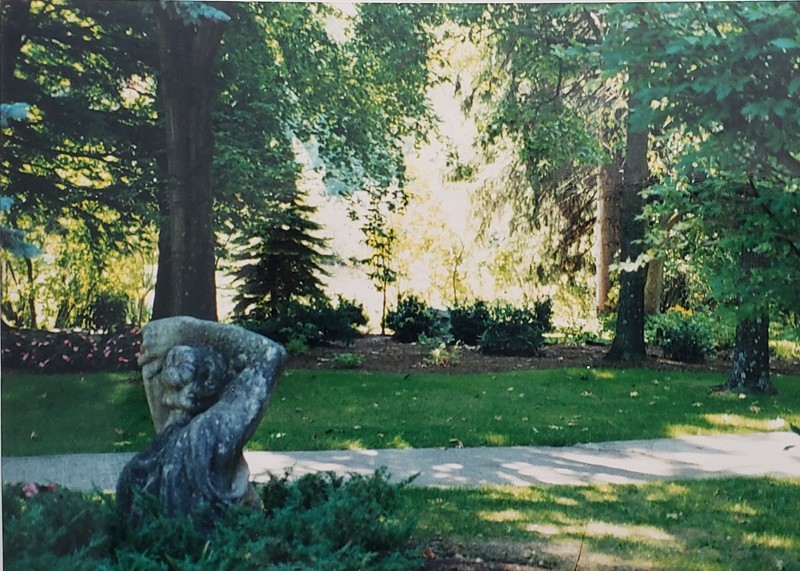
[713,525]
[331,410]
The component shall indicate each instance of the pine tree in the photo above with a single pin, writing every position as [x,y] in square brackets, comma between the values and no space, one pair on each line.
[281,259]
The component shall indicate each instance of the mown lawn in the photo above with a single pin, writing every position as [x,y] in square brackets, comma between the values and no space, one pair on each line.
[324,410]
[709,525]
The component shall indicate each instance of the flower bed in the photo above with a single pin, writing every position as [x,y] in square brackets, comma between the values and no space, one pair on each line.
[70,351]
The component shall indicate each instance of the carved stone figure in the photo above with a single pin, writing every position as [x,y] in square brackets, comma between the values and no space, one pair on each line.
[207,386]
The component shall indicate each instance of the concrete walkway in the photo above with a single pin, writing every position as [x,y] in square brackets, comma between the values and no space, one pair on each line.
[638,461]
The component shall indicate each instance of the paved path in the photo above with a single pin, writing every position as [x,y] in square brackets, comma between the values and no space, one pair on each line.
[759,454]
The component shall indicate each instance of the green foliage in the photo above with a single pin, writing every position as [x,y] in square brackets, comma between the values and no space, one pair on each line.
[439,351]
[89,148]
[109,311]
[411,318]
[347,361]
[312,324]
[468,322]
[318,522]
[684,336]
[322,520]
[47,527]
[60,352]
[282,260]
[517,331]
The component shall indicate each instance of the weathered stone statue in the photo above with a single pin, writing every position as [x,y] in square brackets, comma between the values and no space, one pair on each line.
[207,386]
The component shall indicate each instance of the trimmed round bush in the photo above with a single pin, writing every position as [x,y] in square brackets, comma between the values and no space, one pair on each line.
[468,322]
[683,336]
[411,319]
[516,331]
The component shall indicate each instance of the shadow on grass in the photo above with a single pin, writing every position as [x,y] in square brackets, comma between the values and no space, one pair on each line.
[742,524]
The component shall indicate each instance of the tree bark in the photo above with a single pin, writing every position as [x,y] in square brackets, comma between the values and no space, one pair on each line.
[628,344]
[187,53]
[609,193]
[654,286]
[750,364]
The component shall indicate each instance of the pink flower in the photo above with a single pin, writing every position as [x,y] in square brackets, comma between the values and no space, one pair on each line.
[52,487]
[123,360]
[106,351]
[65,357]
[29,490]
[66,342]
[25,356]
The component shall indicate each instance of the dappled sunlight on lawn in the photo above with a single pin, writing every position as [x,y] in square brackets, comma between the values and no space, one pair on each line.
[772,541]
[645,533]
[714,525]
[739,421]
[495,439]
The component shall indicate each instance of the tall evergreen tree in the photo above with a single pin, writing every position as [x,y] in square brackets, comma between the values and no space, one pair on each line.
[282,258]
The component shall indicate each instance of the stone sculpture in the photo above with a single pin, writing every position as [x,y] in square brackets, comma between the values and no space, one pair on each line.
[207,386]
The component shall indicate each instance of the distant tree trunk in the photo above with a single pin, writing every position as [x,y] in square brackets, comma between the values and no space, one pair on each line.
[750,368]
[187,50]
[654,286]
[33,321]
[609,193]
[628,344]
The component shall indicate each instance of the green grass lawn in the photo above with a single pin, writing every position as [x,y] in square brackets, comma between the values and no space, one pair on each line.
[323,410]
[713,525]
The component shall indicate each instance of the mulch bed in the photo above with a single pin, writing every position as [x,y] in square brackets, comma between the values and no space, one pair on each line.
[381,353]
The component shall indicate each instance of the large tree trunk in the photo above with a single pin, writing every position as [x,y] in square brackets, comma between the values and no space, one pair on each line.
[609,194]
[187,52]
[750,368]
[628,344]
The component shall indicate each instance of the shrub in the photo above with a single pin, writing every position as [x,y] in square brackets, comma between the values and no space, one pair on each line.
[46,527]
[319,521]
[109,312]
[312,324]
[682,335]
[65,352]
[468,322]
[322,517]
[412,318]
[515,331]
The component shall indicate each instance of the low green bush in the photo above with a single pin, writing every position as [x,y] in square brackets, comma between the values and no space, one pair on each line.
[412,318]
[311,324]
[517,331]
[70,352]
[109,312]
[682,335]
[51,528]
[468,322]
[319,521]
